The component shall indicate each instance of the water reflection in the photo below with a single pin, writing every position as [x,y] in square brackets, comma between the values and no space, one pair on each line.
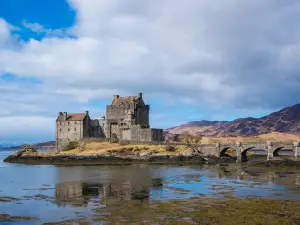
[140,182]
[79,189]
[98,184]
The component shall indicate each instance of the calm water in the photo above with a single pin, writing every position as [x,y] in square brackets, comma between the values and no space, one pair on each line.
[57,193]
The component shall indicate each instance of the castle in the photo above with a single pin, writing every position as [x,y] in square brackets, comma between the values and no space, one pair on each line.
[127,118]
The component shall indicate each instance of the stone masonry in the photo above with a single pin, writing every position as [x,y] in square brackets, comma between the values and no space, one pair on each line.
[270,148]
[127,118]
[71,127]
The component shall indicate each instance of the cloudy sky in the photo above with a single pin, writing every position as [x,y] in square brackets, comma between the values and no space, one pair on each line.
[192,59]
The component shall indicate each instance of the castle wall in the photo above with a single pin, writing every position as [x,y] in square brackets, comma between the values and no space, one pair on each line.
[99,128]
[103,128]
[114,131]
[126,134]
[136,133]
[86,132]
[144,134]
[116,113]
[157,135]
[68,131]
[142,116]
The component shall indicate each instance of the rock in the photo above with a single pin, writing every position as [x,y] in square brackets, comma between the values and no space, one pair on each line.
[190,154]
[144,154]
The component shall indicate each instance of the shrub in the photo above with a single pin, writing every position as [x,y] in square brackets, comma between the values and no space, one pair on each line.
[71,145]
[170,148]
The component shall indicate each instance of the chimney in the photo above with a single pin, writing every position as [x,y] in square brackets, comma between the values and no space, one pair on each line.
[60,113]
[87,112]
[65,115]
[140,95]
[115,97]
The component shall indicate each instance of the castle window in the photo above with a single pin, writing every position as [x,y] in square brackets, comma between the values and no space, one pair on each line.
[69,129]
[59,123]
[68,123]
[75,122]
[60,130]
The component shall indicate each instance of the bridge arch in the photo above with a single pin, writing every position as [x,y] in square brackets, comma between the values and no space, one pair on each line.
[244,154]
[276,151]
[225,151]
[286,149]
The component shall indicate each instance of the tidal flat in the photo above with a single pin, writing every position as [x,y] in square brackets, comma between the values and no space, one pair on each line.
[226,193]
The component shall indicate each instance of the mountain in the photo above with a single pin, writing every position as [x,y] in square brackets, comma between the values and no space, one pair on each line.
[286,120]
[48,143]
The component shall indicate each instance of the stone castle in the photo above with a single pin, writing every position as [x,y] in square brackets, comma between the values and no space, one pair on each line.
[127,118]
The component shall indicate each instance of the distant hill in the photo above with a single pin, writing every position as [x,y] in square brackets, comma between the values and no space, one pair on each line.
[48,143]
[286,120]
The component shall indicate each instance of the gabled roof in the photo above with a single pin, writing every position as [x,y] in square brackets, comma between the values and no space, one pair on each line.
[127,99]
[72,117]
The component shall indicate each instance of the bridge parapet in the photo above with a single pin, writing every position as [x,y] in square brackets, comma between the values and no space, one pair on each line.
[259,145]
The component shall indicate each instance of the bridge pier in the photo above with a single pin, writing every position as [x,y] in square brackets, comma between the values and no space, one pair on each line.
[239,150]
[270,151]
[296,148]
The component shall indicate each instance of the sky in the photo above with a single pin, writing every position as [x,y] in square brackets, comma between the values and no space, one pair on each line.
[193,60]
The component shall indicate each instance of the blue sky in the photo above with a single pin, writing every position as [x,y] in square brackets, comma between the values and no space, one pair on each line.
[194,60]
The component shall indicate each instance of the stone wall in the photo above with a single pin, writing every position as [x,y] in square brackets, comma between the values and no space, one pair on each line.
[68,131]
[103,128]
[99,128]
[137,133]
[115,113]
[157,134]
[142,115]
[86,132]
[126,134]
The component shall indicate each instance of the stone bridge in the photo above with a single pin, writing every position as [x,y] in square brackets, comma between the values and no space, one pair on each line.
[241,149]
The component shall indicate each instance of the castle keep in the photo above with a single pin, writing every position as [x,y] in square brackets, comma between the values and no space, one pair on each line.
[127,118]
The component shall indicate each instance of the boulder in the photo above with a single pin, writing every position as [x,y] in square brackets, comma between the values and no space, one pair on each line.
[144,154]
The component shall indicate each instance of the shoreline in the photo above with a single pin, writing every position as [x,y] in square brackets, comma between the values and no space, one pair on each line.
[85,160]
[79,160]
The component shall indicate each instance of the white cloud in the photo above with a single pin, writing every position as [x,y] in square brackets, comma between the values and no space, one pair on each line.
[38,28]
[198,50]
[4,30]
[234,54]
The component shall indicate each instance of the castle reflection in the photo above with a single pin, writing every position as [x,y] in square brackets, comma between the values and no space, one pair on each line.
[104,186]
[116,184]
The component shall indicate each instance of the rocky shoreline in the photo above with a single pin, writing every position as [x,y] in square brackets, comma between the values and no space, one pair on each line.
[123,159]
[103,159]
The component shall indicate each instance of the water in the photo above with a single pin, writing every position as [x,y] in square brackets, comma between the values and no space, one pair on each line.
[58,193]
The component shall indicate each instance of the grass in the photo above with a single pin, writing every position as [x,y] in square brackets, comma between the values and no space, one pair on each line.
[94,148]
[203,211]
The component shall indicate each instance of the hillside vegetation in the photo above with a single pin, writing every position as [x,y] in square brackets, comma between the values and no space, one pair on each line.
[286,120]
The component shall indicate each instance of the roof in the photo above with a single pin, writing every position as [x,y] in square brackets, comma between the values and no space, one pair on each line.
[127,99]
[72,117]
